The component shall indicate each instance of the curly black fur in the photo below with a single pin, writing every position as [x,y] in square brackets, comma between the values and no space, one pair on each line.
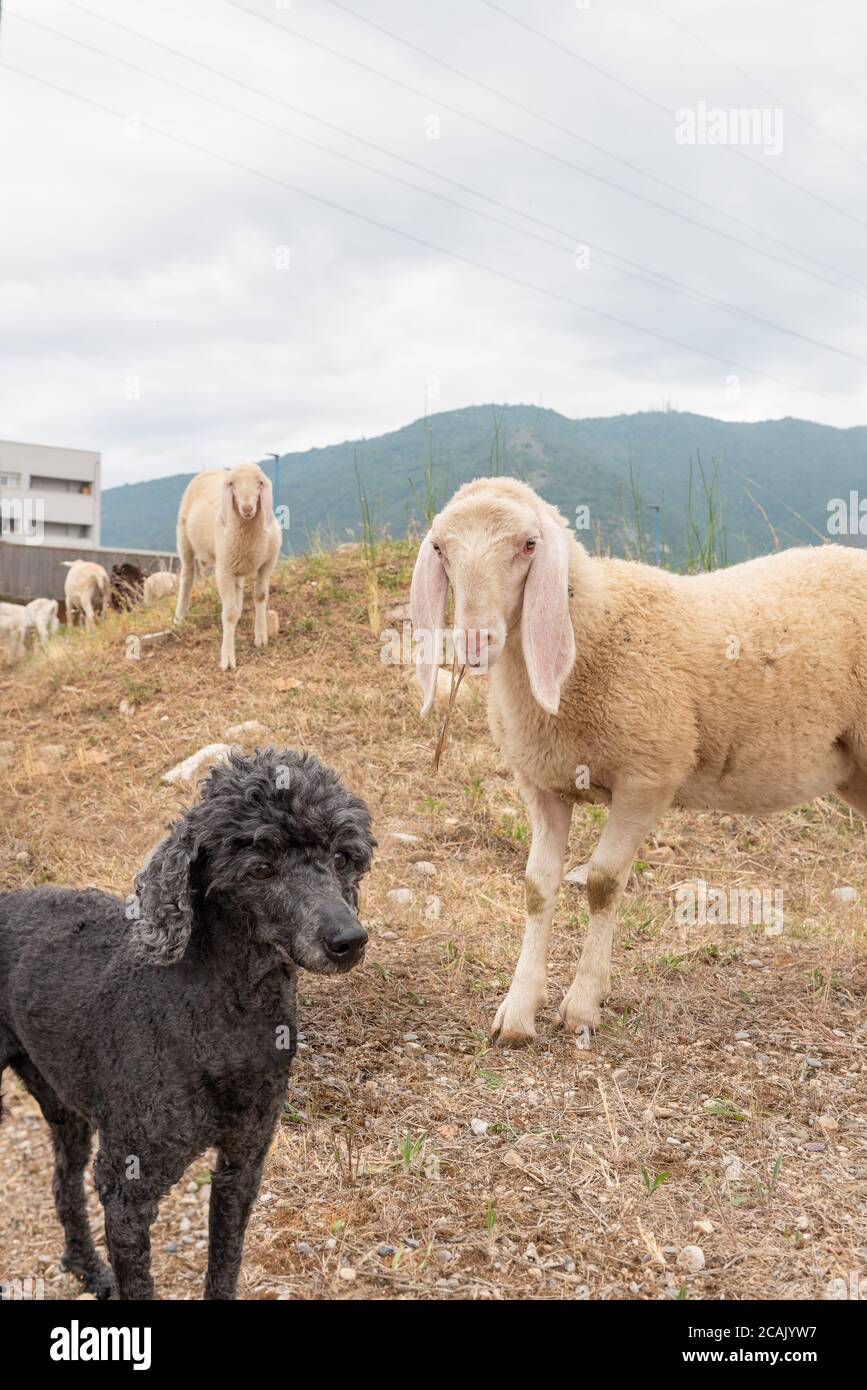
[127,585]
[167,1022]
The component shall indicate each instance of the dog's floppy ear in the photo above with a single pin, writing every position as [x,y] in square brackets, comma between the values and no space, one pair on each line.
[547,639]
[266,501]
[428,609]
[161,907]
[226,499]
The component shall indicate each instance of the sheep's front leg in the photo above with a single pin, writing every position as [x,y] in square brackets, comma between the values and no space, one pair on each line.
[515,1022]
[260,598]
[632,816]
[228,591]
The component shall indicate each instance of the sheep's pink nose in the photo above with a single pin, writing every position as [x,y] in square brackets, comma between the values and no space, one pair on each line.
[477,647]
[247,510]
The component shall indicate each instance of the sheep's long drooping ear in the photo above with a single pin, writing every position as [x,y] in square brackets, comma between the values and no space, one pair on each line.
[161,907]
[226,499]
[266,501]
[547,639]
[428,608]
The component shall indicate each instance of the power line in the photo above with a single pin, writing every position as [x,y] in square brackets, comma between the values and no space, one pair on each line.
[471,261]
[568,163]
[733,149]
[762,86]
[654,278]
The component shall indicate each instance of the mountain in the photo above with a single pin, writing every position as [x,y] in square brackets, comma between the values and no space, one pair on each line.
[777,475]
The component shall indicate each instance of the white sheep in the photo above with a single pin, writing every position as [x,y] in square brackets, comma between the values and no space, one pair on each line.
[87,590]
[158,586]
[742,690]
[42,618]
[227,520]
[12,631]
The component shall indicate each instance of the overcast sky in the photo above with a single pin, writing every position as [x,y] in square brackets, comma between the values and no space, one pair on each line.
[175,310]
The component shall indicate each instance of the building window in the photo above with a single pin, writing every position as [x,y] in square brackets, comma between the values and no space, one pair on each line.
[39,483]
[10,479]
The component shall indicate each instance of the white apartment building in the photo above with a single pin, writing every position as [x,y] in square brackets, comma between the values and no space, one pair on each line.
[50,493]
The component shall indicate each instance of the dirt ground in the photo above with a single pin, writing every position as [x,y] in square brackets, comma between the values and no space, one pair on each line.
[723,1106]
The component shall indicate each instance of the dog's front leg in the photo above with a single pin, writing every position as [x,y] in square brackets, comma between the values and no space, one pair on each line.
[129,1214]
[234,1185]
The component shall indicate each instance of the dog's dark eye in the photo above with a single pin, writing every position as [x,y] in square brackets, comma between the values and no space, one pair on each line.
[341,862]
[262,870]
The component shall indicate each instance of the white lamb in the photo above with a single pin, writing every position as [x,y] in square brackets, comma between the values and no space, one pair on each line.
[227,520]
[742,690]
[86,589]
[158,586]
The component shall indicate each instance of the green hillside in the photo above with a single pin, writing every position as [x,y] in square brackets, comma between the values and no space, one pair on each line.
[618,468]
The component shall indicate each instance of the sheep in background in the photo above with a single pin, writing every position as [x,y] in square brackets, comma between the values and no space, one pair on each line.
[39,616]
[42,618]
[227,520]
[12,631]
[158,586]
[86,590]
[740,690]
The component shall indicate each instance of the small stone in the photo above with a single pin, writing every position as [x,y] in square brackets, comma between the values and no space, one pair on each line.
[742,1037]
[385,1250]
[302,1248]
[170,1247]
[403,837]
[691,1259]
[347,1274]
[704,1226]
[845,894]
[432,907]
[401,896]
[813,1062]
[411,1243]
[577,875]
[425,868]
[818,1147]
[185,1223]
[480,1127]
[52,752]
[251,731]
[126,709]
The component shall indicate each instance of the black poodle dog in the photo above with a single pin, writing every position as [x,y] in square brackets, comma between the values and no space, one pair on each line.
[167,1022]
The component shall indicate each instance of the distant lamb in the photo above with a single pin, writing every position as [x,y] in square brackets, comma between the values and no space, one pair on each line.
[227,520]
[86,590]
[39,616]
[613,682]
[158,586]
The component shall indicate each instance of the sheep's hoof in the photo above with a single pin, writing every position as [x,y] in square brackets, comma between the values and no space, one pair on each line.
[509,1029]
[580,1014]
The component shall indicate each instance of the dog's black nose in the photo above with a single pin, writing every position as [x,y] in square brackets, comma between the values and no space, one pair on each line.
[343,937]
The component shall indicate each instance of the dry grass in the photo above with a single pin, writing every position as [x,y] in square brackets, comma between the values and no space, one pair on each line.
[377,1185]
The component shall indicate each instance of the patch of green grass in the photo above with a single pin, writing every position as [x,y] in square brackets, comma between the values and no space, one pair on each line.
[652,1182]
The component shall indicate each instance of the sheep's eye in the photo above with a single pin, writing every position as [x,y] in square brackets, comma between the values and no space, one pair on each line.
[436,547]
[529,546]
[341,862]
[262,870]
